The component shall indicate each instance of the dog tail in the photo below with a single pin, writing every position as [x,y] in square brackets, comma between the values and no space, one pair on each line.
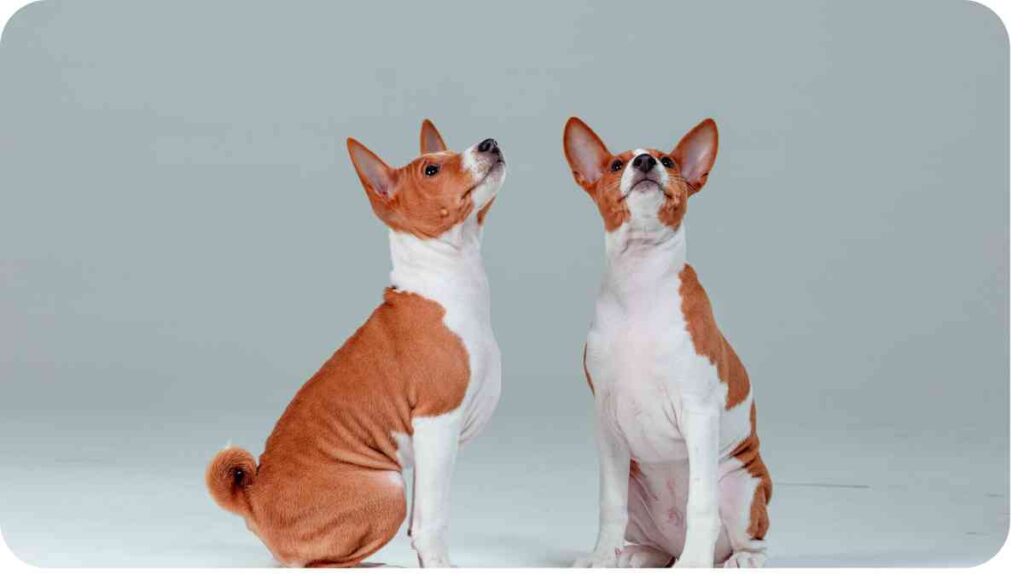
[229,477]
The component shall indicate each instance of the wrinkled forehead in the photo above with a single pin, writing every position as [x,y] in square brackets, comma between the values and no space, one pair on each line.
[445,158]
[630,154]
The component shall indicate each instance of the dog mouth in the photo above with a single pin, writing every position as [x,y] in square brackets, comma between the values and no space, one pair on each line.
[639,184]
[499,164]
[643,181]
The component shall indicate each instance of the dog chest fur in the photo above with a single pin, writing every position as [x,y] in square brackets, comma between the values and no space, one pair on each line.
[645,369]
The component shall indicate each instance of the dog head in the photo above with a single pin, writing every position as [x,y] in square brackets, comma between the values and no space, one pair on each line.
[642,192]
[439,192]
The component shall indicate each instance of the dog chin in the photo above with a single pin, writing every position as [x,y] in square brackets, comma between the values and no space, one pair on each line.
[489,185]
[494,178]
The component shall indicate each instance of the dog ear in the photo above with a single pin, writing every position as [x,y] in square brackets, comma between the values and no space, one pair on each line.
[695,153]
[376,176]
[587,155]
[430,139]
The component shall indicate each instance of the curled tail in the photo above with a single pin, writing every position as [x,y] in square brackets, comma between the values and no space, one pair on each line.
[228,478]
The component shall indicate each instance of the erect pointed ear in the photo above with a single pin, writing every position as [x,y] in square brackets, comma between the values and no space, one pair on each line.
[696,153]
[377,177]
[586,154]
[430,139]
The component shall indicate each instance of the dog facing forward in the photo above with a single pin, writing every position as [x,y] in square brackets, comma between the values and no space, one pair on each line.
[682,478]
[421,376]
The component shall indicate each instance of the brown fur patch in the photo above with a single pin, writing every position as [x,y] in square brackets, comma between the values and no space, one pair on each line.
[759,510]
[748,453]
[482,214]
[608,197]
[672,211]
[635,473]
[428,206]
[586,373]
[328,488]
[709,341]
[228,476]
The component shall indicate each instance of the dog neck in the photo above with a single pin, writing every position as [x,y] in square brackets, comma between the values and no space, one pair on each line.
[446,272]
[635,265]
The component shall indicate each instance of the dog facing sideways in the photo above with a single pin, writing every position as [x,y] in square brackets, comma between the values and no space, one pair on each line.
[421,376]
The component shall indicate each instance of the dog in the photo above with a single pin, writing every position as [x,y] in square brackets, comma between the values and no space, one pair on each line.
[420,377]
[682,478]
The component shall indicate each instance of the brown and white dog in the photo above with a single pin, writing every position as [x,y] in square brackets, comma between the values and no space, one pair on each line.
[681,473]
[421,376]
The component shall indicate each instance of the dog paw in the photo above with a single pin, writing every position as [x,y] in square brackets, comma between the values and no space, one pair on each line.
[433,558]
[636,556]
[434,561]
[598,559]
[694,561]
[745,559]
[431,550]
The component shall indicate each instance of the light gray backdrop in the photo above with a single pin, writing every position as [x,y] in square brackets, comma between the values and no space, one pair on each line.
[183,242]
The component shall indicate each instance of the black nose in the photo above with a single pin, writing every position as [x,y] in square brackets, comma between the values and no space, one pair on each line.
[644,163]
[489,145]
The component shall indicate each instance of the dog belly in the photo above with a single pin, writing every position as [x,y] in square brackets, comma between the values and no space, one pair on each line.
[657,504]
[634,395]
[657,508]
[648,408]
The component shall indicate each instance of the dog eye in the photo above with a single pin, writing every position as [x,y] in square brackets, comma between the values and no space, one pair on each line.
[431,169]
[667,162]
[616,165]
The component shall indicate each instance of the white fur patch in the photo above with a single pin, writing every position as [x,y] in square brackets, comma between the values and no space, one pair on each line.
[656,395]
[489,181]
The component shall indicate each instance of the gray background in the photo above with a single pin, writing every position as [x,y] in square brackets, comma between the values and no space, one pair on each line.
[183,242]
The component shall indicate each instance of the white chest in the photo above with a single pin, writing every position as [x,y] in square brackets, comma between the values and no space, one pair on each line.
[644,369]
[472,324]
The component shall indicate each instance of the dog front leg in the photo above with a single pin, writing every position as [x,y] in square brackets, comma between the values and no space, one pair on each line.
[435,442]
[614,470]
[700,430]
